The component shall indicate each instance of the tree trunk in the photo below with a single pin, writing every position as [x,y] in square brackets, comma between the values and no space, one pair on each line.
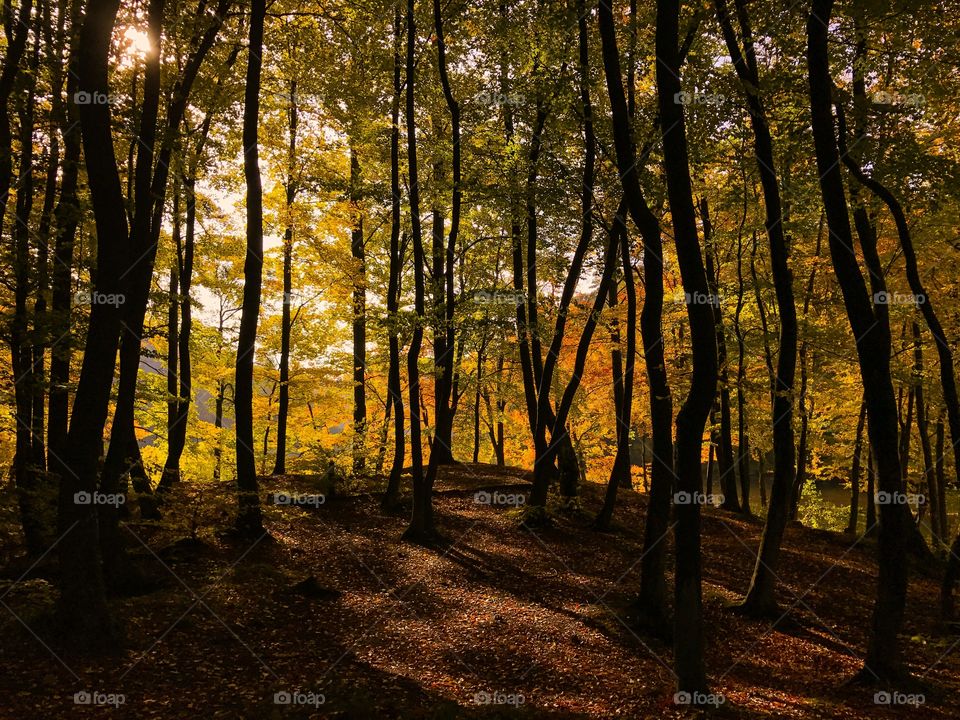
[84,616]
[392,494]
[871,330]
[933,496]
[692,417]
[421,527]
[724,433]
[66,217]
[855,471]
[359,320]
[652,602]
[760,600]
[249,520]
[290,195]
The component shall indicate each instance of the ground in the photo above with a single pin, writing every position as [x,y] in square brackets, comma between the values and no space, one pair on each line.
[500,622]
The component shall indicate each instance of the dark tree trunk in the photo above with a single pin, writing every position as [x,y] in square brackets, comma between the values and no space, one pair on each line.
[249,518]
[941,479]
[421,527]
[724,433]
[28,475]
[559,448]
[123,456]
[855,471]
[392,494]
[803,452]
[66,217]
[290,195]
[441,452]
[760,598]
[359,323]
[743,435]
[933,497]
[652,602]
[870,327]
[83,612]
[692,417]
[149,184]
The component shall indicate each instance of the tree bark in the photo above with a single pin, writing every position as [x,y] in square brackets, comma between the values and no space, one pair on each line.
[692,417]
[421,528]
[249,520]
[855,471]
[872,333]
[652,601]
[392,494]
[290,195]
[359,322]
[85,618]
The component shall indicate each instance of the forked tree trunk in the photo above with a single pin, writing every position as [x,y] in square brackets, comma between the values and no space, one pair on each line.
[760,599]
[652,602]
[392,494]
[84,616]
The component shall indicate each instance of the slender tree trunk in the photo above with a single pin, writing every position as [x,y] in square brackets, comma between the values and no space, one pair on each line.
[290,195]
[27,474]
[392,494]
[652,602]
[803,452]
[359,320]
[421,527]
[249,518]
[559,447]
[941,479]
[855,471]
[760,600]
[871,330]
[692,417]
[66,217]
[724,433]
[933,497]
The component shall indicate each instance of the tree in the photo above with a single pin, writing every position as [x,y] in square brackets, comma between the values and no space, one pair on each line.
[249,519]
[884,661]
[692,417]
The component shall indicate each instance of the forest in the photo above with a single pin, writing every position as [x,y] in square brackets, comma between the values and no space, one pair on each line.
[479,359]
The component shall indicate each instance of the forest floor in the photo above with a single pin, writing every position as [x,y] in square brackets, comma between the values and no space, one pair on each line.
[497,623]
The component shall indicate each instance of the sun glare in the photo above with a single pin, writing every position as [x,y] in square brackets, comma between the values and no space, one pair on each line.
[137,41]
